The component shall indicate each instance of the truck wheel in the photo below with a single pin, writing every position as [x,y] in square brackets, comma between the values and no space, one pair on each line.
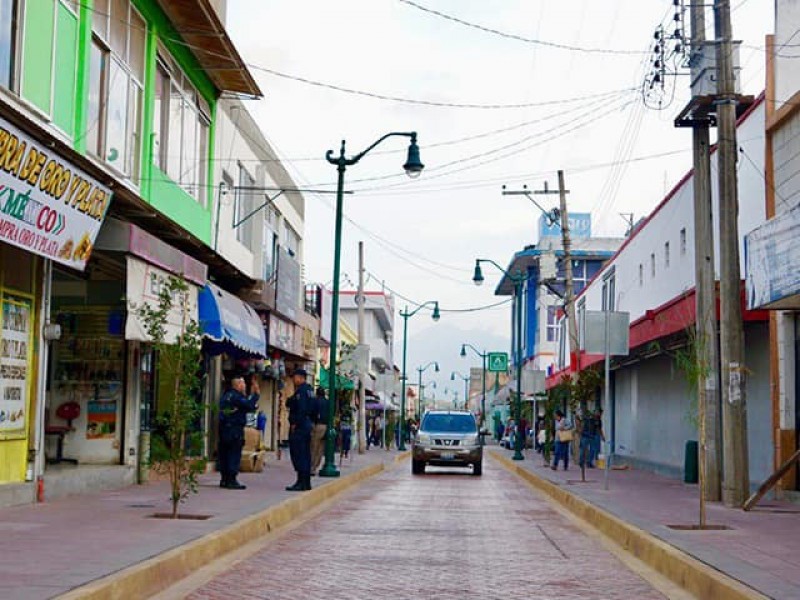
[477,469]
[417,467]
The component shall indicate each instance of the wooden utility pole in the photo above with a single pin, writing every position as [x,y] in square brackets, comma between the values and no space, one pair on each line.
[734,405]
[706,354]
[569,290]
[362,390]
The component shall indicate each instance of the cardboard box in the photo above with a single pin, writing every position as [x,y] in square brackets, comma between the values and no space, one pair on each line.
[252,439]
[253,462]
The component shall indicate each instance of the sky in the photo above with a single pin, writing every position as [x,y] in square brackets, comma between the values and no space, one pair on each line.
[567,96]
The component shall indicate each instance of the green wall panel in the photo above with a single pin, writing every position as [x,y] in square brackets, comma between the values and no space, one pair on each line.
[66,58]
[37,51]
[170,199]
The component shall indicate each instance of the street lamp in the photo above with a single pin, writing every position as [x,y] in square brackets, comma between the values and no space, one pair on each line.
[421,370]
[406,316]
[413,167]
[466,386]
[518,279]
[483,355]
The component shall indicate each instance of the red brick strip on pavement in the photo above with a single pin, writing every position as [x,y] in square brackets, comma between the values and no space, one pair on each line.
[697,577]
[442,536]
[89,546]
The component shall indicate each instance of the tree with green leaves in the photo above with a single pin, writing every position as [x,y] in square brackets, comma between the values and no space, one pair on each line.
[176,446]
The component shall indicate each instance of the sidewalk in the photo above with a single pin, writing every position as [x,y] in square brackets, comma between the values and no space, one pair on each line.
[51,548]
[761,550]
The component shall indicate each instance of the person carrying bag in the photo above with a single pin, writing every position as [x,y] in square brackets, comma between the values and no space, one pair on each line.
[563,439]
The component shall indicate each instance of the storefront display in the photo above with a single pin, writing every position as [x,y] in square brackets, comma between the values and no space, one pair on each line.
[15,365]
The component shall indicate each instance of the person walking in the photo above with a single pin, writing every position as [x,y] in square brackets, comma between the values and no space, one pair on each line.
[346,431]
[302,408]
[599,436]
[563,438]
[378,429]
[234,406]
[321,416]
[588,431]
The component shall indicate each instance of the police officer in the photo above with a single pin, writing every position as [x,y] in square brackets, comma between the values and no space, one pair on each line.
[302,408]
[320,431]
[233,408]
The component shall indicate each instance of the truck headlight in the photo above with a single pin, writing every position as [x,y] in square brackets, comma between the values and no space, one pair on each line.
[424,439]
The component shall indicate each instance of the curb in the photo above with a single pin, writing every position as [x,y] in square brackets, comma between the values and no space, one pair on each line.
[158,573]
[691,574]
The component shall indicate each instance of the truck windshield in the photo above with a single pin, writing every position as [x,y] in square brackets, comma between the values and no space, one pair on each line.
[449,423]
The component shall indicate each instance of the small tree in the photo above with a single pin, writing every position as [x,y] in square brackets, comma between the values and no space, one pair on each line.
[175,448]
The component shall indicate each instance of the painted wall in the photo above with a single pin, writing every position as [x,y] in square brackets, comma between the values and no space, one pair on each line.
[665,225]
[787,76]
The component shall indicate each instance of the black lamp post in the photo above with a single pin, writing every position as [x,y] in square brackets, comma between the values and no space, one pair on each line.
[413,167]
[518,279]
[421,370]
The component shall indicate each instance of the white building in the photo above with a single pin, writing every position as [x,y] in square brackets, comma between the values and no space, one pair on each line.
[652,277]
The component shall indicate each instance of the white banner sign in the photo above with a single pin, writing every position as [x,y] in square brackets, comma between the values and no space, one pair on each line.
[47,206]
[144,285]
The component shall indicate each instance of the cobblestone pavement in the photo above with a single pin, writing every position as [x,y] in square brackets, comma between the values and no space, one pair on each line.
[444,535]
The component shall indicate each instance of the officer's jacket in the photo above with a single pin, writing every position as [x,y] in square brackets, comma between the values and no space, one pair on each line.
[303,407]
[233,409]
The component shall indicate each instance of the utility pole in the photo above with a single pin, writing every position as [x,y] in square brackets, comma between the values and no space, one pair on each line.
[362,390]
[569,289]
[735,485]
[706,354]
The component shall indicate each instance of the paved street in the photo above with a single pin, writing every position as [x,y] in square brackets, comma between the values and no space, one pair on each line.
[443,535]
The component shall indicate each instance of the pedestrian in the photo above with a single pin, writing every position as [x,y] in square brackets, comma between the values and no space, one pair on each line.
[321,417]
[588,430]
[346,431]
[599,435]
[234,405]
[378,429]
[302,407]
[563,430]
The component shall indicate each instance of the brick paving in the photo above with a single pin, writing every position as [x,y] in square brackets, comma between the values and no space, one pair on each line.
[762,548]
[51,548]
[443,536]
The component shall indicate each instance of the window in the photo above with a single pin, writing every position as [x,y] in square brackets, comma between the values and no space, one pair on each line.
[641,275]
[581,317]
[683,241]
[244,194]
[610,290]
[652,265]
[666,255]
[552,324]
[116,72]
[291,241]
[8,41]
[180,124]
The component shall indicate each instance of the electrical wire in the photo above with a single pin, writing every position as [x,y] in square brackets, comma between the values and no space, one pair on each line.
[518,38]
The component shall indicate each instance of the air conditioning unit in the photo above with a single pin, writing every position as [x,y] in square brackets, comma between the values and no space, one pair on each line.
[704,60]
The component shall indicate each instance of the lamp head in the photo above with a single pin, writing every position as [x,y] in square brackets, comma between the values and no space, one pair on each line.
[477,277]
[413,166]
[436,315]
[463,350]
[436,367]
[453,376]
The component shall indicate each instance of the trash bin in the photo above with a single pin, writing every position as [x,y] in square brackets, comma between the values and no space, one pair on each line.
[690,463]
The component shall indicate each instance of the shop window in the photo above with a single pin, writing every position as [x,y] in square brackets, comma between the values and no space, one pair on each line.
[244,205]
[666,255]
[181,124]
[683,241]
[270,244]
[116,72]
[641,275]
[291,241]
[652,265]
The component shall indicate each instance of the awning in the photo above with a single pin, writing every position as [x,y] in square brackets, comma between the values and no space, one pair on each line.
[230,324]
[342,383]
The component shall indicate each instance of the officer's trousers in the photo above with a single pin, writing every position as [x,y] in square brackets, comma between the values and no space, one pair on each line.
[230,457]
[300,450]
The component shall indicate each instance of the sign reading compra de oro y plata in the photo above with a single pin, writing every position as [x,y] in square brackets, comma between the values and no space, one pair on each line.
[47,206]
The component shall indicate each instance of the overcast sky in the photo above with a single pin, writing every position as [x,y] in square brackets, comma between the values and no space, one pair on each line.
[422,236]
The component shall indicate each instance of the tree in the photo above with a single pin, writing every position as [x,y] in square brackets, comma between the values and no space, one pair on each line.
[176,446]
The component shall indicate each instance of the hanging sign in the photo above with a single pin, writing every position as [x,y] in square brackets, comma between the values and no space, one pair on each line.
[15,339]
[47,205]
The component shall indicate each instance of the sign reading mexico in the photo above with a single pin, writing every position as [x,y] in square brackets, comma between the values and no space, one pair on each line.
[47,206]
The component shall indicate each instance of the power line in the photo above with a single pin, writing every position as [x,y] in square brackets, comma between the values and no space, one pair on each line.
[519,38]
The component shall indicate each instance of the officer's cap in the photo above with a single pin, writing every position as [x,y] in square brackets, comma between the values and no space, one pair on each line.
[300,373]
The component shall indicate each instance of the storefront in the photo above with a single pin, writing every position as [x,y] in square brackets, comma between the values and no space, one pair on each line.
[50,212]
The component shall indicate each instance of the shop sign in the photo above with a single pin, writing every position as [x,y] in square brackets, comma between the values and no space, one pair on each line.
[15,372]
[281,334]
[287,294]
[47,206]
[309,341]
[145,283]
[580,226]
[326,316]
[772,262]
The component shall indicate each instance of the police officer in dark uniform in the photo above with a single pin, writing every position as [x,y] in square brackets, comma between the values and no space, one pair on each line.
[233,408]
[302,409]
